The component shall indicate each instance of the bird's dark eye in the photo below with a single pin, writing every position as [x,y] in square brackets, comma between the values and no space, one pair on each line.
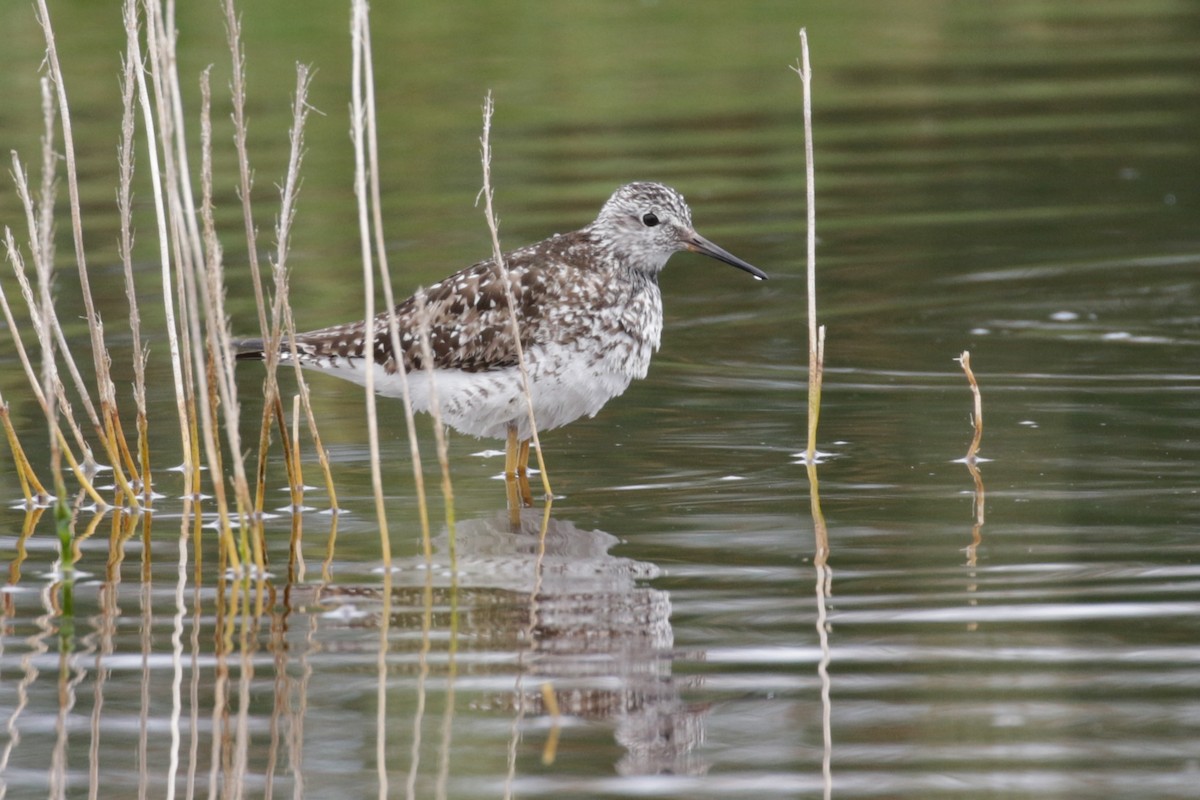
[649,219]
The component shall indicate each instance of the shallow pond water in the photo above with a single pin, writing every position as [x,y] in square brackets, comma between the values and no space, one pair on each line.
[1019,180]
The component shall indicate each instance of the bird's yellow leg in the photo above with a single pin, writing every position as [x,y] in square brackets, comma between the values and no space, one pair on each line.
[523,458]
[511,490]
[511,453]
[523,474]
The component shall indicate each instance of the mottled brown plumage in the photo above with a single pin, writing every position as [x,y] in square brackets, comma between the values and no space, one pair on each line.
[589,314]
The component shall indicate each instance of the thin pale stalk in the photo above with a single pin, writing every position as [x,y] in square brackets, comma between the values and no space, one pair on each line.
[297,467]
[168,35]
[360,31]
[283,227]
[181,395]
[41,243]
[125,158]
[49,171]
[260,471]
[286,446]
[439,430]
[305,402]
[816,337]
[498,264]
[100,356]
[393,325]
[208,410]
[233,30]
[50,331]
[160,38]
[159,52]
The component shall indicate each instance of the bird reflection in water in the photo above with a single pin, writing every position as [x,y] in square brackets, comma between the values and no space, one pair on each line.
[578,619]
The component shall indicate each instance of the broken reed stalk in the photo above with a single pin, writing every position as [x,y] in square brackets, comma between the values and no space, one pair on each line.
[359,32]
[972,460]
[816,335]
[125,158]
[498,264]
[977,418]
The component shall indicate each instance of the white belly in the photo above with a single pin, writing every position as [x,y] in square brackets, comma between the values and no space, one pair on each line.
[565,385]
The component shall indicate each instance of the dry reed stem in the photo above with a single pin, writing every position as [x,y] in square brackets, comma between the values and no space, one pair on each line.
[285,446]
[220,344]
[972,461]
[50,332]
[49,171]
[498,263]
[977,418]
[816,336]
[31,487]
[134,54]
[283,227]
[360,32]
[185,240]
[439,430]
[264,442]
[233,30]
[100,355]
[57,391]
[209,410]
[297,465]
[306,403]
[49,391]
[282,318]
[187,256]
[389,299]
[125,158]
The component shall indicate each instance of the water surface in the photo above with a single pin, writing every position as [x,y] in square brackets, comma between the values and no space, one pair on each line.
[1017,180]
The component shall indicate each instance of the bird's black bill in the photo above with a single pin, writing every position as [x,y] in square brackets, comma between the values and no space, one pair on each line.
[698,244]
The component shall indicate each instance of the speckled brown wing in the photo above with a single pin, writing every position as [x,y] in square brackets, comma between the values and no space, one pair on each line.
[467,313]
